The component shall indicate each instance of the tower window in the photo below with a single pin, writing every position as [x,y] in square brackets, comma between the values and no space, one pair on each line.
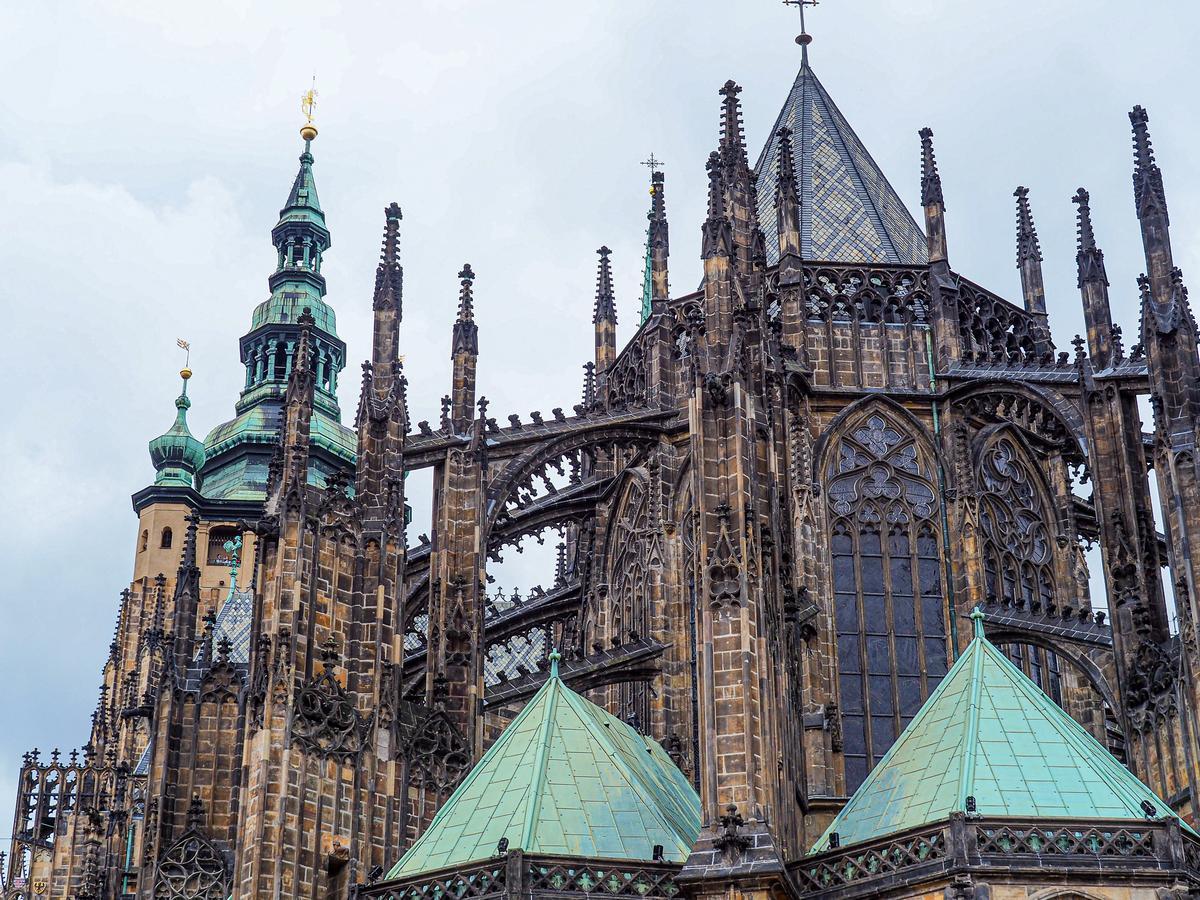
[217,555]
[167,537]
[145,541]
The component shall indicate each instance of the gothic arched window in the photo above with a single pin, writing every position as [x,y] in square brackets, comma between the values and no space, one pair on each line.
[1017,549]
[166,539]
[887,582]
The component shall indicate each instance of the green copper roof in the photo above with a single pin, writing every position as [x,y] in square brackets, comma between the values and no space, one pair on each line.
[565,778]
[177,455]
[990,733]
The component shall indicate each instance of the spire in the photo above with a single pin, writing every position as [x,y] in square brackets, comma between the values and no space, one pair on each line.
[787,197]
[605,309]
[654,280]
[466,332]
[1093,286]
[297,413]
[465,352]
[387,304]
[177,455]
[931,181]
[733,136]
[717,239]
[604,319]
[1150,200]
[659,244]
[389,275]
[1029,256]
[932,200]
[1089,258]
[1148,193]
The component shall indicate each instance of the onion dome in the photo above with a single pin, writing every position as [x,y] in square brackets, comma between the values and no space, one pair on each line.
[177,455]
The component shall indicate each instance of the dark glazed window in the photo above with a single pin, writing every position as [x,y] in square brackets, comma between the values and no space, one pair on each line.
[166,539]
[887,582]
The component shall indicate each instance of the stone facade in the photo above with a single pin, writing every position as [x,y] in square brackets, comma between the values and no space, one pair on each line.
[775,506]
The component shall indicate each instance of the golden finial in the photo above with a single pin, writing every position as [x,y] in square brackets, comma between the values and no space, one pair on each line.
[186,372]
[308,102]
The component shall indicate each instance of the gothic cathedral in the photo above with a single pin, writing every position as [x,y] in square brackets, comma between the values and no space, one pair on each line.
[820,622]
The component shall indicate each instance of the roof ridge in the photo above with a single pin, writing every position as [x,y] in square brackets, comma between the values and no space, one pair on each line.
[533,805]
[476,771]
[966,778]
[876,772]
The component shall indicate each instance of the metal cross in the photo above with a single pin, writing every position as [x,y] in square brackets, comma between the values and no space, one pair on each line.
[652,164]
[801,4]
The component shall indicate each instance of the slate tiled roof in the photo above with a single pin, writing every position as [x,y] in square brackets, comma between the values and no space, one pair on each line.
[565,778]
[234,621]
[848,210]
[990,733]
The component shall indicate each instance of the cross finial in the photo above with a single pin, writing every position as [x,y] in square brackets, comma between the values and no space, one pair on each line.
[652,164]
[803,38]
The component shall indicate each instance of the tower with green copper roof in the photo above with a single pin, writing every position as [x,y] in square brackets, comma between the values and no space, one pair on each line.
[238,452]
[565,779]
[177,455]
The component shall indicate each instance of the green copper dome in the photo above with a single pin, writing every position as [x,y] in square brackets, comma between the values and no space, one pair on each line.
[177,455]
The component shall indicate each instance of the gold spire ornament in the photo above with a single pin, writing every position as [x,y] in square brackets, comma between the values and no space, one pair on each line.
[308,102]
[186,372]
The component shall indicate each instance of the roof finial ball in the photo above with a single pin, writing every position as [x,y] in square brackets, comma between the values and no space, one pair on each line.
[803,38]
[308,103]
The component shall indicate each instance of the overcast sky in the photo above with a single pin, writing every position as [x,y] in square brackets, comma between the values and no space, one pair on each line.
[146,147]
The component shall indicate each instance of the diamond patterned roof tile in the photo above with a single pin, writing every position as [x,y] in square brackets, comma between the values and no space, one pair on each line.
[848,210]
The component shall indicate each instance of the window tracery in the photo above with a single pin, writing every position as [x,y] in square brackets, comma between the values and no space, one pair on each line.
[887,582]
[1017,548]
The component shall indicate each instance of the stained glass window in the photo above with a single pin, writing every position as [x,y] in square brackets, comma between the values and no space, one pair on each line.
[887,582]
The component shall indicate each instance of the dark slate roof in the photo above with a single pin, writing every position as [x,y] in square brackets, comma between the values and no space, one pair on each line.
[848,210]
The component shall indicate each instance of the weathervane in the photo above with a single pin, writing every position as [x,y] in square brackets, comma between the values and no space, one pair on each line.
[308,103]
[803,38]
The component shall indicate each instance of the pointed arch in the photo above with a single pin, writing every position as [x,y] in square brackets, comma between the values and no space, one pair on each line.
[879,469]
[634,549]
[1016,520]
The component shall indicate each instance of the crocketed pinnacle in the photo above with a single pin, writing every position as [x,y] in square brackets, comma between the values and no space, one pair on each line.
[931,181]
[1027,239]
[605,308]
[389,276]
[717,237]
[1089,258]
[733,137]
[1148,193]
[466,332]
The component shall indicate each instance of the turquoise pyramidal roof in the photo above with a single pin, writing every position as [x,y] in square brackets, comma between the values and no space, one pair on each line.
[565,778]
[990,733]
